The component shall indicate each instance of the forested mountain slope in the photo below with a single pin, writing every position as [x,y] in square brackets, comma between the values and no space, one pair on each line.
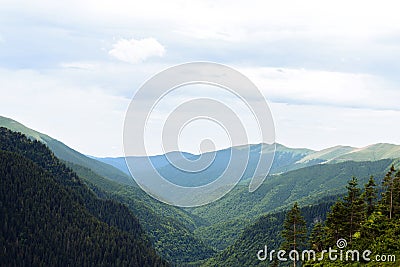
[49,217]
[265,231]
[170,228]
[229,215]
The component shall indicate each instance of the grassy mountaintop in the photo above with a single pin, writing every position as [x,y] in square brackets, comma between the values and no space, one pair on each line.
[345,153]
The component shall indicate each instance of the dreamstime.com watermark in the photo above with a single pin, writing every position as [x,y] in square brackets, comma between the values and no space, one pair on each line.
[331,254]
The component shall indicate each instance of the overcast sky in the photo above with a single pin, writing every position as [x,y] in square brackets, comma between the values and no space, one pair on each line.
[329,69]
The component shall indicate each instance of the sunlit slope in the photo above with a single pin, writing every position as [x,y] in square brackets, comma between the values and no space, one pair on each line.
[68,154]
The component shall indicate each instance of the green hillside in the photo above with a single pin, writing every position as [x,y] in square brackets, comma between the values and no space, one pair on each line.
[345,153]
[49,217]
[66,153]
[372,152]
[166,225]
[278,192]
[327,154]
[265,231]
[286,159]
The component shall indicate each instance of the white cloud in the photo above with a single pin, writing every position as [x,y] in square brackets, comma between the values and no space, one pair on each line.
[134,51]
[218,14]
[300,86]
[279,33]
[221,18]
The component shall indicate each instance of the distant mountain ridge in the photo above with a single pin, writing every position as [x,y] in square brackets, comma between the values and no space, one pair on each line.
[345,153]
[158,160]
[286,158]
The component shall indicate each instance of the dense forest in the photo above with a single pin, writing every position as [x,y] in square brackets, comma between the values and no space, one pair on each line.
[365,219]
[49,217]
[368,218]
[170,229]
[265,231]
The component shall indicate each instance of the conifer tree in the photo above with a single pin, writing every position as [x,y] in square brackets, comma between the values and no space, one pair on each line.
[294,233]
[396,194]
[370,196]
[334,223]
[354,207]
[388,192]
[317,237]
[346,216]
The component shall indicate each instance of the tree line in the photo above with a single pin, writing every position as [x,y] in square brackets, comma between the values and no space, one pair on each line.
[367,218]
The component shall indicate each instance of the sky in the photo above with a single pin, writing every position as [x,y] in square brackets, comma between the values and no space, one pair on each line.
[328,69]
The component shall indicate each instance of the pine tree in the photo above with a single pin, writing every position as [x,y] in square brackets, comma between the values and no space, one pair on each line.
[354,206]
[334,223]
[396,195]
[370,196]
[346,215]
[388,192]
[317,237]
[294,233]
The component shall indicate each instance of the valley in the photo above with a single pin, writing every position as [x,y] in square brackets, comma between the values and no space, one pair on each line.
[211,233]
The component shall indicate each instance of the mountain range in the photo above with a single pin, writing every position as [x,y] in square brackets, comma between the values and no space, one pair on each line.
[206,234]
[285,159]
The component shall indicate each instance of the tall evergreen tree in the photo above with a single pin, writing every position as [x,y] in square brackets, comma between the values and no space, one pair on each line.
[334,223]
[317,237]
[388,184]
[354,207]
[370,196]
[294,232]
[396,194]
[346,215]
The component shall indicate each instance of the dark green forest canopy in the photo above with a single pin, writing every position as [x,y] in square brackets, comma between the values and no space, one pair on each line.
[49,217]
[169,228]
